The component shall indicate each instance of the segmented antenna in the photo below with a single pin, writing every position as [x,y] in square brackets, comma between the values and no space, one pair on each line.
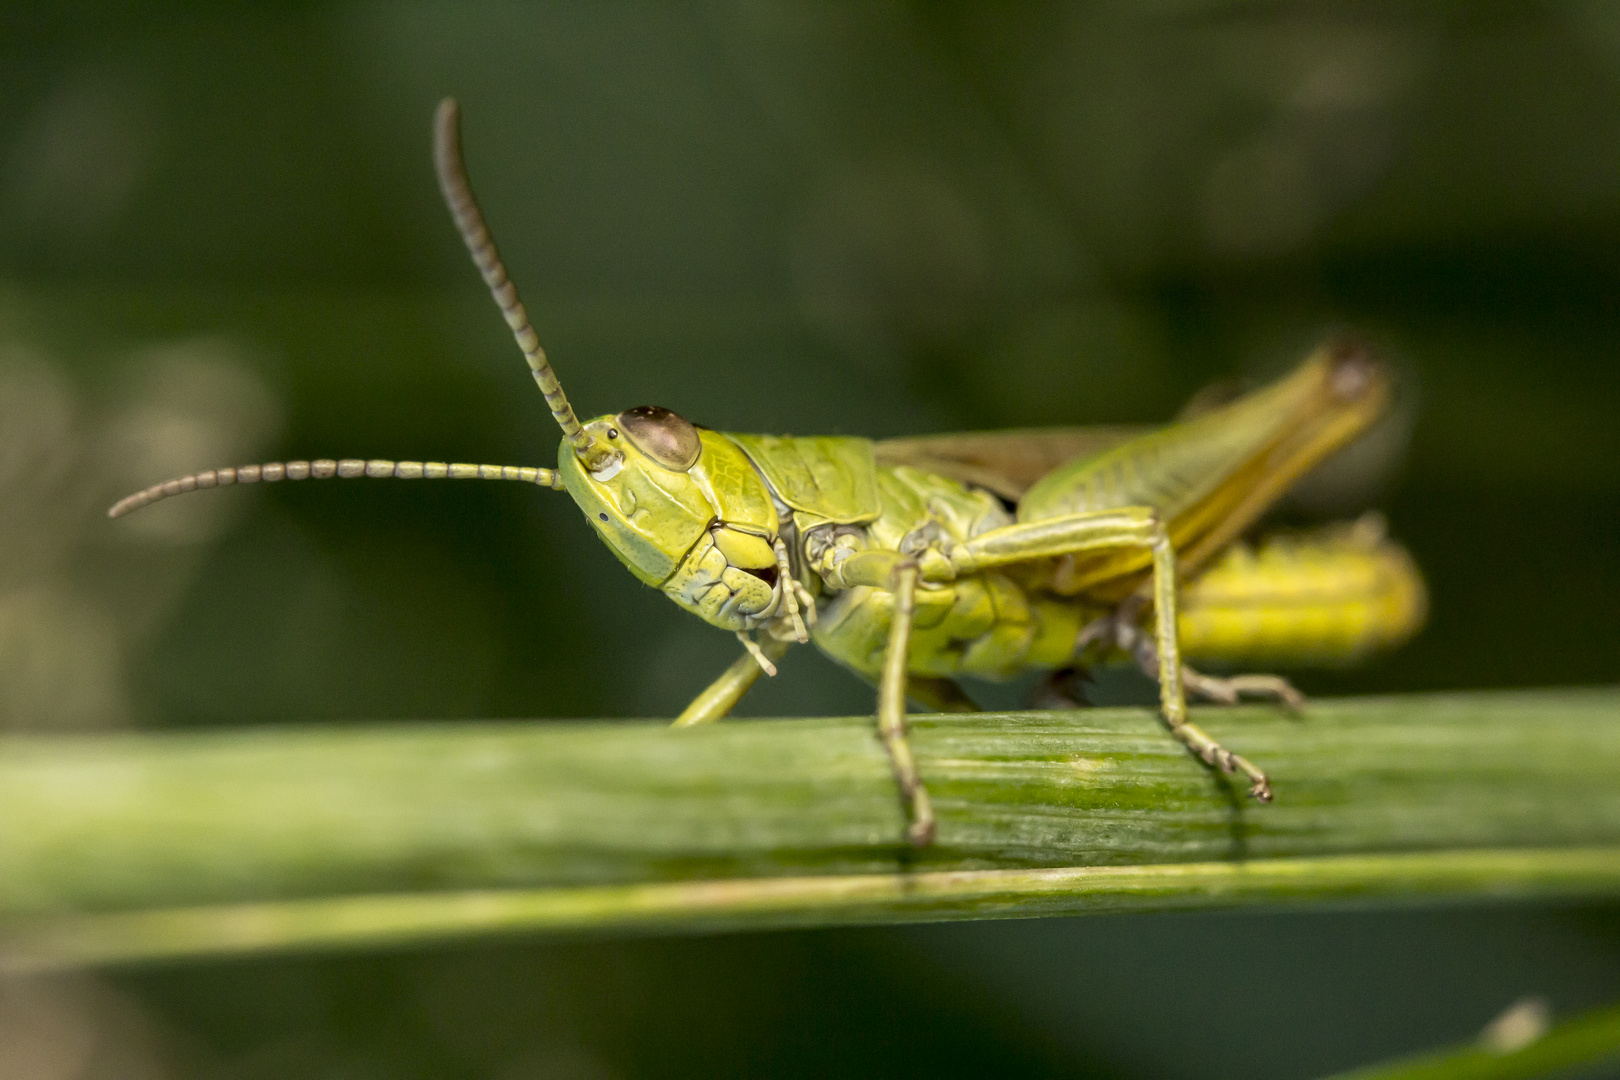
[469,220]
[326,468]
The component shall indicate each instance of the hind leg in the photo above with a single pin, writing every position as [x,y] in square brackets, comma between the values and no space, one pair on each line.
[1127,527]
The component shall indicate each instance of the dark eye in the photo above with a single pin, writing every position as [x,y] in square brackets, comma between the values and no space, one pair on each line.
[665,437]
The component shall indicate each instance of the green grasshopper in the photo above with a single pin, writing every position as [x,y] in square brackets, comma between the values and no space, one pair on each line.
[917,561]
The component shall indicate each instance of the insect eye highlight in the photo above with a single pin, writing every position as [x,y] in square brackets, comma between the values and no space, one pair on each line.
[666,437]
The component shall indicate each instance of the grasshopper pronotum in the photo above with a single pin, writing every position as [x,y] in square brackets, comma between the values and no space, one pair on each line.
[915,561]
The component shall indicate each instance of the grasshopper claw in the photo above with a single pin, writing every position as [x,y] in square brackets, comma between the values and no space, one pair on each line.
[757,653]
[1259,784]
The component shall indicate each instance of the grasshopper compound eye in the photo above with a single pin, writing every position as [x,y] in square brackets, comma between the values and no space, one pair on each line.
[668,438]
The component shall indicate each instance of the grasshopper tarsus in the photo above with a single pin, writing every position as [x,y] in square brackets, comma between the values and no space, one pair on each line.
[1231,690]
[1229,763]
[1259,783]
[920,834]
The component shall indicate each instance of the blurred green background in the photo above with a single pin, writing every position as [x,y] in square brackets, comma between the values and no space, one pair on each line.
[220,242]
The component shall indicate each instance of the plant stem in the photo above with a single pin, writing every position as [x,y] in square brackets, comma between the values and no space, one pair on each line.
[1584,1040]
[127,846]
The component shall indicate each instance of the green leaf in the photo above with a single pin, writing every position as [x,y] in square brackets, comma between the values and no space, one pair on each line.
[1586,1040]
[134,846]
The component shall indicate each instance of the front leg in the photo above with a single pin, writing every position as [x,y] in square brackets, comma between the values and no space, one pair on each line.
[722,695]
[1129,527]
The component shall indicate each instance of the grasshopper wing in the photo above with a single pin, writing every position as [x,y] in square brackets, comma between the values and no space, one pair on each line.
[1005,463]
[1212,476]
[1008,462]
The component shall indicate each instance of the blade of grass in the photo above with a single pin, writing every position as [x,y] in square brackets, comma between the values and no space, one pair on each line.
[827,900]
[1589,1039]
[171,844]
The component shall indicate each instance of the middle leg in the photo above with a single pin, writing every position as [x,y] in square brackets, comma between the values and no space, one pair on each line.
[891,711]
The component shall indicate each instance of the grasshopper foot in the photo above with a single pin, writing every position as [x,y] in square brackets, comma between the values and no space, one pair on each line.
[1228,691]
[1131,639]
[1214,754]
[921,833]
[1228,762]
[922,828]
[1259,787]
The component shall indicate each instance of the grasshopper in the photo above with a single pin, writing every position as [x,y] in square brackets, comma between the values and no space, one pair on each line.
[916,561]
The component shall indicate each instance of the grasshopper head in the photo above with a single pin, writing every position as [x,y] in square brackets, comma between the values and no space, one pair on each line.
[641,496]
[684,510]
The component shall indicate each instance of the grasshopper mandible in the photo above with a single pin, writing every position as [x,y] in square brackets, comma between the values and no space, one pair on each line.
[916,561]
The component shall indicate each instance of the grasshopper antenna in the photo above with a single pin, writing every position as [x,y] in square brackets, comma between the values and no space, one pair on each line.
[453,182]
[470,222]
[326,468]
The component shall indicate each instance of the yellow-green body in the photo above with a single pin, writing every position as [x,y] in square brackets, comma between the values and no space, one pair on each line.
[707,537]
[991,623]
[1329,596]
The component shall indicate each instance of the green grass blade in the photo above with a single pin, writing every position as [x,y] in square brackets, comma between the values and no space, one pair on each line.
[1589,1039]
[136,846]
